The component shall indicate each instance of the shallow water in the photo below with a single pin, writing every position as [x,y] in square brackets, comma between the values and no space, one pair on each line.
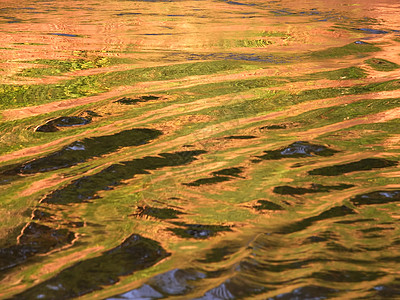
[199,149]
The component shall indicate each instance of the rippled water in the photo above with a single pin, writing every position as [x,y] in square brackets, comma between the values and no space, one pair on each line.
[199,149]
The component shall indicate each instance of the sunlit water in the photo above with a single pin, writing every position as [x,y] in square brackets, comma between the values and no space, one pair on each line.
[199,149]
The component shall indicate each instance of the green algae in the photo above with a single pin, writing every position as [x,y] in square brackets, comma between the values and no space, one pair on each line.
[381,64]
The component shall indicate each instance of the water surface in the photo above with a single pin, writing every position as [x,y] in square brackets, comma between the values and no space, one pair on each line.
[199,149]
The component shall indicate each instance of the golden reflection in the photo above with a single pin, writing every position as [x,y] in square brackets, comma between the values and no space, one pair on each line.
[271,171]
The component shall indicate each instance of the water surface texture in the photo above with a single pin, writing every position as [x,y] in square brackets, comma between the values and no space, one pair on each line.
[179,149]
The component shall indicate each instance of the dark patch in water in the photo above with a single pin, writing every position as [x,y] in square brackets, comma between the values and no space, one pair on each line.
[134,254]
[86,188]
[297,150]
[127,14]
[81,151]
[159,213]
[387,291]
[41,215]
[64,34]
[221,253]
[217,176]
[209,180]
[334,212]
[70,121]
[377,197]
[356,221]
[315,239]
[361,165]
[46,128]
[315,188]
[131,101]
[274,127]
[240,137]
[311,292]
[90,114]
[36,239]
[236,56]
[267,205]
[51,126]
[373,31]
[197,231]
[348,276]
[228,172]
[238,3]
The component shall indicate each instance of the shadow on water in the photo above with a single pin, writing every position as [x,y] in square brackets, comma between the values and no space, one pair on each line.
[334,212]
[297,150]
[377,197]
[134,254]
[52,125]
[240,137]
[307,292]
[158,213]
[387,291]
[315,188]
[80,151]
[267,205]
[361,165]
[236,56]
[218,176]
[85,188]
[131,101]
[197,231]
[221,253]
[35,239]
[180,281]
[348,276]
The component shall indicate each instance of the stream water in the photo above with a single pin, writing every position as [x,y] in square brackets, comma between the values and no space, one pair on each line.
[209,149]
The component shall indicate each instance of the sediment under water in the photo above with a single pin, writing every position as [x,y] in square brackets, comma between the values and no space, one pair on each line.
[199,149]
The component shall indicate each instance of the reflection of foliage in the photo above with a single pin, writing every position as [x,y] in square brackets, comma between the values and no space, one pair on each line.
[276,34]
[346,73]
[27,95]
[349,49]
[253,43]
[57,67]
[134,254]
[380,64]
